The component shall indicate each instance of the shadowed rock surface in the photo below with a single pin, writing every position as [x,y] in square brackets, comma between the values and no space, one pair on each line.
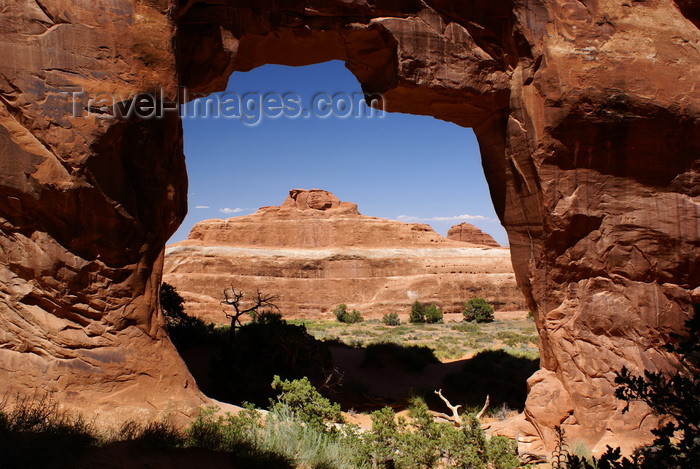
[316,252]
[587,118]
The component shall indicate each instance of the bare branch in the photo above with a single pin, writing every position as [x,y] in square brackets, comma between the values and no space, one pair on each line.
[334,379]
[483,409]
[454,408]
[234,299]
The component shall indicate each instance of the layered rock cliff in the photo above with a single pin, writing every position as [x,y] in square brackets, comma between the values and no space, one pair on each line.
[471,234]
[587,115]
[316,252]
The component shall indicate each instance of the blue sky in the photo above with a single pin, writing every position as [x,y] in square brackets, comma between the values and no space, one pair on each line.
[398,166]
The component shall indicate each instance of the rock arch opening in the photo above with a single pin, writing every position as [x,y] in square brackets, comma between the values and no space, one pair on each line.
[315,256]
[593,176]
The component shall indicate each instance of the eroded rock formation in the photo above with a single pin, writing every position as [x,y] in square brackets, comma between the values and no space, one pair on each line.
[316,252]
[587,117]
[87,204]
[471,234]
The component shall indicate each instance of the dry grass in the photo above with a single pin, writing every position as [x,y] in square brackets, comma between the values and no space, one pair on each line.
[450,341]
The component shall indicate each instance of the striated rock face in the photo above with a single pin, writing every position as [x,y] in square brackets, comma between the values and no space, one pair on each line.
[316,252]
[86,206]
[471,234]
[587,114]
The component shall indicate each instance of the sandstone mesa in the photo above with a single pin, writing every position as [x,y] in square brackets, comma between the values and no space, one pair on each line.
[471,234]
[587,114]
[315,252]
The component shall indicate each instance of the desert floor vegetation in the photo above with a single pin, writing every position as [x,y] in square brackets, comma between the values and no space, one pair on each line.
[309,418]
[301,429]
[449,340]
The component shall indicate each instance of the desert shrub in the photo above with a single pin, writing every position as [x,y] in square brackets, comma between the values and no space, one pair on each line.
[423,313]
[417,315]
[267,317]
[391,319]
[284,433]
[171,303]
[354,317]
[421,442]
[340,311]
[35,434]
[306,402]
[412,357]
[240,434]
[157,435]
[195,332]
[421,447]
[342,315]
[242,370]
[381,444]
[295,433]
[185,331]
[222,432]
[477,309]
[433,314]
[501,412]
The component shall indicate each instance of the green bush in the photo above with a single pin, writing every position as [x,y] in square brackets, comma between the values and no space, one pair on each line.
[423,313]
[417,315]
[185,331]
[306,446]
[391,319]
[433,314]
[172,305]
[340,311]
[194,332]
[309,405]
[302,429]
[477,309]
[354,317]
[295,433]
[268,317]
[421,442]
[342,315]
[246,436]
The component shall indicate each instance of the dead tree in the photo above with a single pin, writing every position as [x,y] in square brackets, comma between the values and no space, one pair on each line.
[455,417]
[234,298]
[483,409]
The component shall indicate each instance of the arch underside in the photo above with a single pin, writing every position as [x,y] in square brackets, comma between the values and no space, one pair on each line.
[589,146]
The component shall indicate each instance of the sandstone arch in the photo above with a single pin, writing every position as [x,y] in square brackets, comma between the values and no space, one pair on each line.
[586,113]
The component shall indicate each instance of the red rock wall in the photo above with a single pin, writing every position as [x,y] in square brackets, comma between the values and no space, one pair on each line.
[86,207]
[586,113]
[315,252]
